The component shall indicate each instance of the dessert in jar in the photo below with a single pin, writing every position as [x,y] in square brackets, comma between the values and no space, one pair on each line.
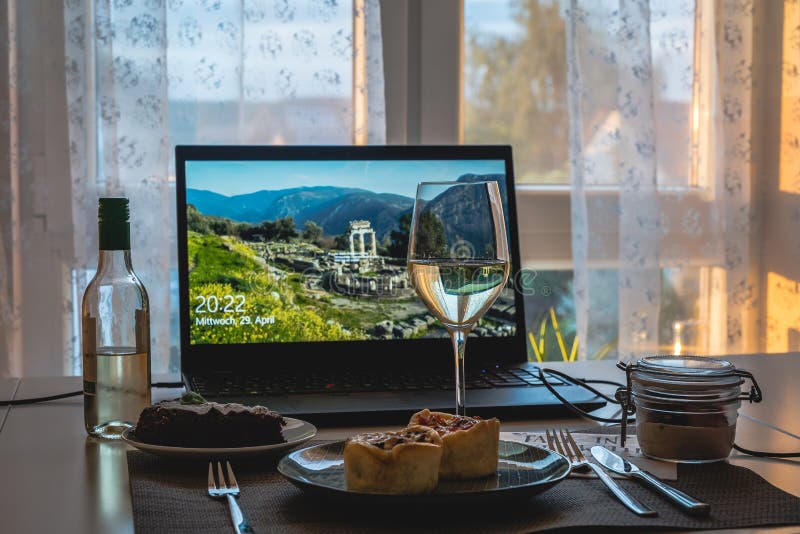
[686,406]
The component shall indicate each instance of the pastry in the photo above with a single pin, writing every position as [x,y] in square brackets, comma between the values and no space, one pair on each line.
[193,422]
[470,443]
[405,461]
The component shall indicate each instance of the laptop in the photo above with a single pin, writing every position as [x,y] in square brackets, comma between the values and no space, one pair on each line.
[294,292]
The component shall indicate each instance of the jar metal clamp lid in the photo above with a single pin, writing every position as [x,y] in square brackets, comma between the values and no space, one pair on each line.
[702,378]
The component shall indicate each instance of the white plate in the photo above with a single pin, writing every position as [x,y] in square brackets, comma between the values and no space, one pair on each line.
[295,432]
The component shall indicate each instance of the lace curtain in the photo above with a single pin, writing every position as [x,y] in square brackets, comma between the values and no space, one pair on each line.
[660,149]
[145,75]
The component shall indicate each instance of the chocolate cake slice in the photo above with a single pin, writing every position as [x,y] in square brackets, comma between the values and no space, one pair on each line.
[209,424]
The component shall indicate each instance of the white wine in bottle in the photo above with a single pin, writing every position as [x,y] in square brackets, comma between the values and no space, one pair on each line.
[115,331]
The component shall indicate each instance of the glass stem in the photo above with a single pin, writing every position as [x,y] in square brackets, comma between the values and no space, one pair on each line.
[459,337]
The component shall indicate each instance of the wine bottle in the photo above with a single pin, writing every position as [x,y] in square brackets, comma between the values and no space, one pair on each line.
[115,331]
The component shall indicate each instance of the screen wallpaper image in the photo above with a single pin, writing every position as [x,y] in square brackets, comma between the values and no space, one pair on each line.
[290,251]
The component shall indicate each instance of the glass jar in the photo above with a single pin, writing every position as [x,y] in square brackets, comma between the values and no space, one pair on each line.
[686,406]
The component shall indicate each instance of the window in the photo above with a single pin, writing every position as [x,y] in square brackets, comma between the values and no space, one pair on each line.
[515,75]
[264,75]
[231,73]
[515,91]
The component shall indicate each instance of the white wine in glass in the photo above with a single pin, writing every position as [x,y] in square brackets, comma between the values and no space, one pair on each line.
[458,258]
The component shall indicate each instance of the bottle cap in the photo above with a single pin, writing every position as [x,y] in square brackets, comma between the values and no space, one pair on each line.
[113,217]
[113,209]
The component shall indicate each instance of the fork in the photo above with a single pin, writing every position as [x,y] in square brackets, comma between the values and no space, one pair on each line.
[567,446]
[231,491]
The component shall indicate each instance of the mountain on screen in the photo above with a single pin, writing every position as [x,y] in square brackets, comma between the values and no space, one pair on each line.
[330,207]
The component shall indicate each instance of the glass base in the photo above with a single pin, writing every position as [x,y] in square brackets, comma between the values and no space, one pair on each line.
[110,430]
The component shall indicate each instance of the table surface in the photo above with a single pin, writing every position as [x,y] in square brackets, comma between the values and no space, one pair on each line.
[55,478]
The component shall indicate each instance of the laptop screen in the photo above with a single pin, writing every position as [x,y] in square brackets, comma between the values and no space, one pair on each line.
[294,250]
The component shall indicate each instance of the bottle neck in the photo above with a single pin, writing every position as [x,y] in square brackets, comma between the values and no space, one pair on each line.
[114,261]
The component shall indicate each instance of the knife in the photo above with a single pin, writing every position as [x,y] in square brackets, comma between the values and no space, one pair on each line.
[620,465]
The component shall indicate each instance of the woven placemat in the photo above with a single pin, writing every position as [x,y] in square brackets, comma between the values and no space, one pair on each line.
[170,497]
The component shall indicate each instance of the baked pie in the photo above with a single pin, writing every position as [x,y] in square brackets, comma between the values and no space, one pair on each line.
[470,443]
[405,461]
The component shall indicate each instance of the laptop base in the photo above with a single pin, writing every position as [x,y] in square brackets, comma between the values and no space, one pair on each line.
[382,408]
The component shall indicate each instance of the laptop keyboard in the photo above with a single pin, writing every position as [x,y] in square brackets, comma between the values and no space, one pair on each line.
[349,382]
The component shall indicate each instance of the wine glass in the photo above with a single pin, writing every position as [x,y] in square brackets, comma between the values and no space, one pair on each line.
[458,258]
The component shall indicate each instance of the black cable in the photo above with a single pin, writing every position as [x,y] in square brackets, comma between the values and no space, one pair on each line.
[583,384]
[764,454]
[40,399]
[592,381]
[34,400]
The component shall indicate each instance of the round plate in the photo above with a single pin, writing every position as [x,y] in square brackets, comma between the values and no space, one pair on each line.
[522,470]
[295,432]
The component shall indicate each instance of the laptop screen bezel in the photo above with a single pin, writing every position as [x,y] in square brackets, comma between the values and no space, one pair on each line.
[364,354]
